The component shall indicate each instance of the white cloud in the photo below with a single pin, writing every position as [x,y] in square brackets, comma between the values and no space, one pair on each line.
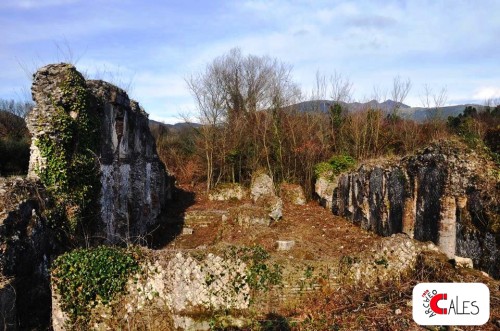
[33,4]
[486,93]
[166,119]
[368,41]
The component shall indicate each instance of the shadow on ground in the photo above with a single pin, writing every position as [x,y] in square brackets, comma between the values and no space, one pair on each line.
[172,221]
[275,322]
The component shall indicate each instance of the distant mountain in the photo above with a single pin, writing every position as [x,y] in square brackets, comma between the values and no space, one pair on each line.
[415,113]
[155,126]
[420,113]
[324,105]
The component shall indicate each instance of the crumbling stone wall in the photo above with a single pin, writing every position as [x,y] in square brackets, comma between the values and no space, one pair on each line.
[188,289]
[92,154]
[26,247]
[443,194]
[134,184]
[184,288]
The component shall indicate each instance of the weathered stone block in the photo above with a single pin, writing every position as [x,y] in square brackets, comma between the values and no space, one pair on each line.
[274,206]
[293,193]
[228,191]
[464,262]
[262,185]
[187,231]
[285,245]
[324,188]
[249,215]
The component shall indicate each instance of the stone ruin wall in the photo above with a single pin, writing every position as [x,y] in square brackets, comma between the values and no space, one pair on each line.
[135,188]
[441,195]
[188,287]
[134,182]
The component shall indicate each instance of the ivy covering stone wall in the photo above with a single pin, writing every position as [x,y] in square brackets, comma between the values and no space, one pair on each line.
[93,151]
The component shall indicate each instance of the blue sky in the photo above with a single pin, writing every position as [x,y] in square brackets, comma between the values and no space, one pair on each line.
[152,46]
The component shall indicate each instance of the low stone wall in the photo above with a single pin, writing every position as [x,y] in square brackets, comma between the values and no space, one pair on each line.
[227,192]
[186,287]
[189,289]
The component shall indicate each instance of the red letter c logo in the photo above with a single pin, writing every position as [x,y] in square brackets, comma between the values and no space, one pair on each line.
[434,304]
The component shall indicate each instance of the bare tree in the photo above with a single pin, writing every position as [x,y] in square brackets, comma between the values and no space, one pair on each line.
[17,108]
[319,89]
[440,98]
[379,94]
[228,93]
[340,88]
[318,93]
[433,102]
[400,90]
[426,96]
[209,98]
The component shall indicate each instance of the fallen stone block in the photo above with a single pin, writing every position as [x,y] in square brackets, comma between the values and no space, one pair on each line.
[187,231]
[285,245]
[464,262]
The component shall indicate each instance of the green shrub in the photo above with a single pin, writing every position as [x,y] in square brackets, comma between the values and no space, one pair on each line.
[85,277]
[334,166]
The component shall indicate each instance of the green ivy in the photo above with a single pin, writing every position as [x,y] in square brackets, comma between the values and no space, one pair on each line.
[71,173]
[260,275]
[334,166]
[85,277]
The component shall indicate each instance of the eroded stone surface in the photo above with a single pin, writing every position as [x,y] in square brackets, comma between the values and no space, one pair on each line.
[324,188]
[134,182]
[228,191]
[285,245]
[264,196]
[178,286]
[293,193]
[262,185]
[464,262]
[251,215]
[442,194]
[26,249]
[393,257]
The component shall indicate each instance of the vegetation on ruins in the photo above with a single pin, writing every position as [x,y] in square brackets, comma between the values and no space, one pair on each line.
[87,277]
[71,171]
[261,275]
[334,166]
[250,120]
